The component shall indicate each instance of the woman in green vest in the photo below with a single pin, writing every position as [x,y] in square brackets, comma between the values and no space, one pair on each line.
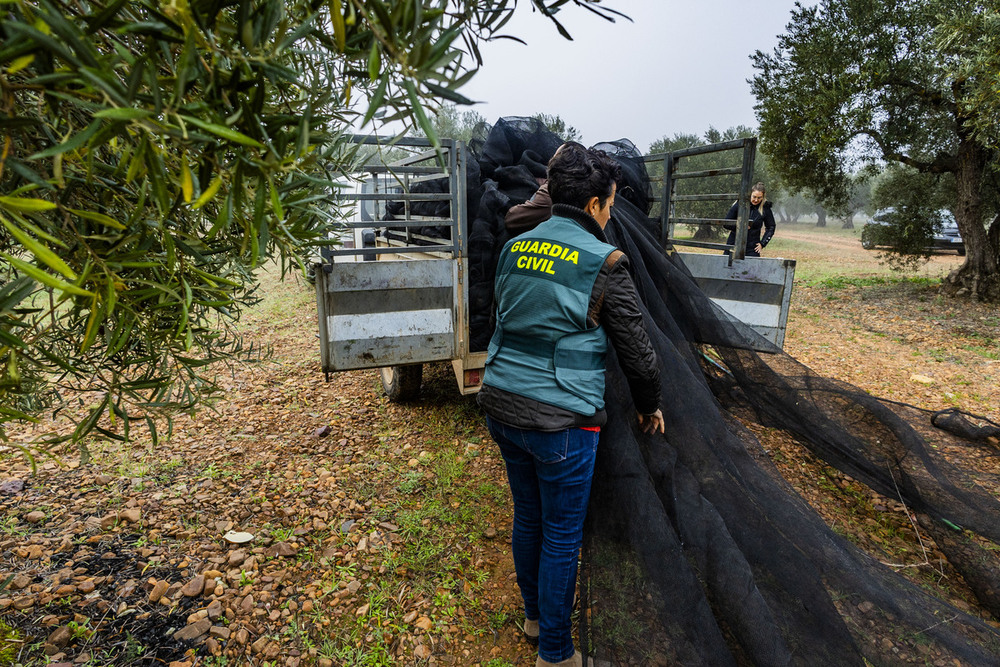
[562,293]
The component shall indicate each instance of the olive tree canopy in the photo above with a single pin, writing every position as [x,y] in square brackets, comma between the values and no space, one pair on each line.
[153,155]
[870,82]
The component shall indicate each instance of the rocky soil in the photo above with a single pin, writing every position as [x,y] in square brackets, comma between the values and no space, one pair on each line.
[304,522]
[374,528]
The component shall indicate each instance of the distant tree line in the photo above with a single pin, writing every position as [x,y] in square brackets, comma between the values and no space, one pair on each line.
[452,122]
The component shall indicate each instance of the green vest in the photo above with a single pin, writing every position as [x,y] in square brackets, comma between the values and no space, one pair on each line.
[543,347]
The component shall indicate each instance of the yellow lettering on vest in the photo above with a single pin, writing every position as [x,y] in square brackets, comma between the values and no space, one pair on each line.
[522,261]
[536,263]
[548,267]
[555,251]
[533,247]
[573,257]
[544,248]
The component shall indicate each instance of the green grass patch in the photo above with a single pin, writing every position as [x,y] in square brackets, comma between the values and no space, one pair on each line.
[10,643]
[441,506]
[992,352]
[844,281]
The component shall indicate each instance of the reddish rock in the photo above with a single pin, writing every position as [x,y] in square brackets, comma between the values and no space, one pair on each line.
[132,515]
[159,589]
[282,549]
[214,609]
[194,587]
[259,645]
[58,640]
[193,630]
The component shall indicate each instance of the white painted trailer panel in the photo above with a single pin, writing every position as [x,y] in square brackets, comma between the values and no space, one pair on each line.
[755,290]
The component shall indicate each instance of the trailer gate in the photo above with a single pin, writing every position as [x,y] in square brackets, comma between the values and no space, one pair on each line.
[399,300]
[754,290]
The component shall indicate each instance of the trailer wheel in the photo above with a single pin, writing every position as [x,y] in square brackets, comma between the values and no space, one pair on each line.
[401,383]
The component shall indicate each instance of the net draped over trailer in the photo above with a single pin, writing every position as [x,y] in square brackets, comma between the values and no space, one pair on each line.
[696,550]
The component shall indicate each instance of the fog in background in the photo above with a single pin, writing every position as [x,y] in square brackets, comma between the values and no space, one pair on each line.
[677,67]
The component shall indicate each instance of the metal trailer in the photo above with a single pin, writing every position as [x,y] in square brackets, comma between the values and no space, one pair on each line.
[397,300]
[405,303]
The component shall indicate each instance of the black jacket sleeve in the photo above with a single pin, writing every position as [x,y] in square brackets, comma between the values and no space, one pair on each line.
[768,224]
[620,315]
[734,211]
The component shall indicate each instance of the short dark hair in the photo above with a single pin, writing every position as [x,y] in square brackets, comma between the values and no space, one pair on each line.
[577,173]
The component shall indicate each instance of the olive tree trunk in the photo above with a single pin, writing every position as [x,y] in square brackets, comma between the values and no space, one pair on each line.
[978,276]
[820,216]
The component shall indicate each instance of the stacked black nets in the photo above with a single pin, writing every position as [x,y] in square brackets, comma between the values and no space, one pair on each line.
[697,551]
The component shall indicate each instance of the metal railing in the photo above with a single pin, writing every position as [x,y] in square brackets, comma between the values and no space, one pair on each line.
[670,167]
[382,183]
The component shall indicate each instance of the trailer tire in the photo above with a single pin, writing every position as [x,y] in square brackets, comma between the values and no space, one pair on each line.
[401,383]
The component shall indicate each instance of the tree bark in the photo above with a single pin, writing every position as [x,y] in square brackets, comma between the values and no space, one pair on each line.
[978,276]
[848,221]
[820,216]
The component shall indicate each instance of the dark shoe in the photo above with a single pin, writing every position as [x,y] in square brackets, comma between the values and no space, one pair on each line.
[575,660]
[530,630]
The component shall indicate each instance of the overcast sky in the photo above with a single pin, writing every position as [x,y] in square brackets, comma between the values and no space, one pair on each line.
[679,66]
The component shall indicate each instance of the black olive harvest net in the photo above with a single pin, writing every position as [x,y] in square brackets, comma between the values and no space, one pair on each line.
[696,550]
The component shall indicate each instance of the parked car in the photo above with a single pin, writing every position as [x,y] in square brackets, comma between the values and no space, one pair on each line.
[946,235]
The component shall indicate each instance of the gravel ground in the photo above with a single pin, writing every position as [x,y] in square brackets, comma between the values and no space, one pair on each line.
[379,531]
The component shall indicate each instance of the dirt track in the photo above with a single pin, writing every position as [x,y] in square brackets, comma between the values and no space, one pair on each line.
[851,245]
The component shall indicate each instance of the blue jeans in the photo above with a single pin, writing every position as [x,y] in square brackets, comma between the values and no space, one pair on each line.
[549,476]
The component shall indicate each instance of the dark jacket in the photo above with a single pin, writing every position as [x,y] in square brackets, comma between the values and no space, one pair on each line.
[756,222]
[613,305]
[530,214]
